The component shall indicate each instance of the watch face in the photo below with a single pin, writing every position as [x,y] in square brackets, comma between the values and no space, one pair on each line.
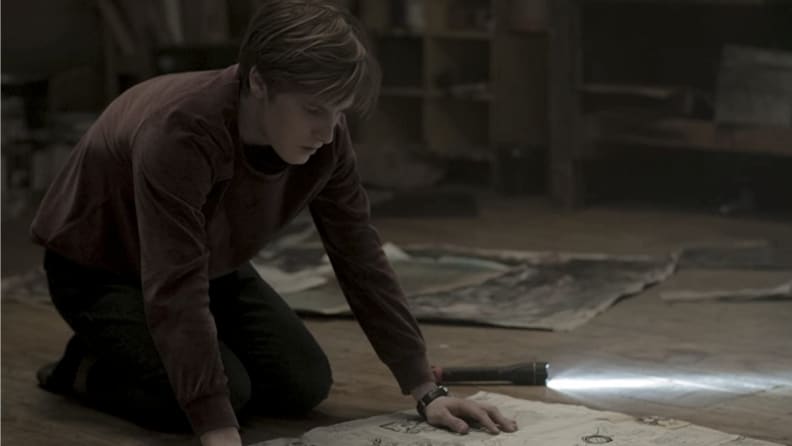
[434,394]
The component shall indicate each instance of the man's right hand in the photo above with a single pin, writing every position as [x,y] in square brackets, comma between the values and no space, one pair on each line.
[227,436]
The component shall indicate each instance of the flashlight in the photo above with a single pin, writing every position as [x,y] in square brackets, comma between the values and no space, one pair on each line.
[525,374]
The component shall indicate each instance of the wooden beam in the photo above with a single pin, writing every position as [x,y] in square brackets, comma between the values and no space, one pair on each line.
[173,19]
[564,77]
[115,24]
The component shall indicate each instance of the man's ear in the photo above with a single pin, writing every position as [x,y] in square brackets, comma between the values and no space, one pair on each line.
[258,88]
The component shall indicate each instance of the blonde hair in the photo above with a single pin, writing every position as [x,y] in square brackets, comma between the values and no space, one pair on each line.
[311,46]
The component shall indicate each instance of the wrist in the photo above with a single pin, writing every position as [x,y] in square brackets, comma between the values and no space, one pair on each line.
[429,398]
[419,391]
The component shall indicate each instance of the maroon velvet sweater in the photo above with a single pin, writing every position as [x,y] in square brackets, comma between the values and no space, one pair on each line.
[159,188]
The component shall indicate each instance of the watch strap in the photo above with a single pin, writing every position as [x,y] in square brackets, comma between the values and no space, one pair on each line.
[430,396]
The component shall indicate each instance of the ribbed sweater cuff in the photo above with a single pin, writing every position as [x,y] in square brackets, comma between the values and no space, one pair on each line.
[211,413]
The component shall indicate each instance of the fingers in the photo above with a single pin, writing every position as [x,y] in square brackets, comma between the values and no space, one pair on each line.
[481,415]
[506,424]
[457,425]
[447,419]
[452,413]
[470,410]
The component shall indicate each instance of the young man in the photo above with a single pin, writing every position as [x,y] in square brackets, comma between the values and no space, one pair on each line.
[150,227]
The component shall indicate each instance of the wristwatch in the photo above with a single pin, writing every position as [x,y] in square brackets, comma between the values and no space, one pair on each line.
[430,396]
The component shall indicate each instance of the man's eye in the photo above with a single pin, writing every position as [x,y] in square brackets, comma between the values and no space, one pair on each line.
[312,109]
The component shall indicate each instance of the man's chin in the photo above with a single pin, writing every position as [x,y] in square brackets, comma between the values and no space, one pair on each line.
[302,157]
[298,160]
[294,157]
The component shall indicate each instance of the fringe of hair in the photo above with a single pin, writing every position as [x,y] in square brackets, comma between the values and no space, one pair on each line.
[316,48]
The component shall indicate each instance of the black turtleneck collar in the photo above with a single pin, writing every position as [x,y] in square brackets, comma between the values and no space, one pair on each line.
[264,159]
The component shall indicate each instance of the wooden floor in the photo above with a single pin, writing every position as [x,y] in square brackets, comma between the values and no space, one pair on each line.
[722,365]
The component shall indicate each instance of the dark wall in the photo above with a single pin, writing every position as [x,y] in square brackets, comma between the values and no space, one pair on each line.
[44,37]
[676,43]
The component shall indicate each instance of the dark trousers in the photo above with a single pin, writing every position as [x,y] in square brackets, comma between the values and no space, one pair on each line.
[273,364]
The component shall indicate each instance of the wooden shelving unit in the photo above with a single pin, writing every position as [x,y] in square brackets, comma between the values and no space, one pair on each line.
[457,82]
[644,60]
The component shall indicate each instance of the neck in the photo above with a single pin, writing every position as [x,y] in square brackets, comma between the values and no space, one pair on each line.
[250,131]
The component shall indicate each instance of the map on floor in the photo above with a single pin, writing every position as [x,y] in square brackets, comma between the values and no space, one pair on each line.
[539,423]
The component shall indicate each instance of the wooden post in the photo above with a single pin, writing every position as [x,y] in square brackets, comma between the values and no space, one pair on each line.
[109,63]
[564,77]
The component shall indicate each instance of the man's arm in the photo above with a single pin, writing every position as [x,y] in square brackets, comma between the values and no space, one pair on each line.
[342,216]
[172,177]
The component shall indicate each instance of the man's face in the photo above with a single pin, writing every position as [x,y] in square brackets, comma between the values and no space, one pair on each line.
[296,125]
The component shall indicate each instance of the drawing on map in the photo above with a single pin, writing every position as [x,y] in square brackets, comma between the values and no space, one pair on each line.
[408,426]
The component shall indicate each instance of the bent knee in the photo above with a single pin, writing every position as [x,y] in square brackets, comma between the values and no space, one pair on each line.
[240,391]
[297,391]
[306,388]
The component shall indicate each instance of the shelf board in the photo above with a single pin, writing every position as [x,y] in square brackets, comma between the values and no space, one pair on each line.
[461,34]
[404,92]
[476,97]
[462,153]
[687,133]
[398,33]
[418,92]
[660,92]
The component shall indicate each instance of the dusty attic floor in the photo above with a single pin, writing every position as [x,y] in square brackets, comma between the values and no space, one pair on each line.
[723,365]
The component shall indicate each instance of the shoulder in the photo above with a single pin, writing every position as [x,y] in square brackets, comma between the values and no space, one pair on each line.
[200,102]
[192,121]
[176,141]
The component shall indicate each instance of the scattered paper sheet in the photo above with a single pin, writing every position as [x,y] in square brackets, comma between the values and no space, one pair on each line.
[540,424]
[521,289]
